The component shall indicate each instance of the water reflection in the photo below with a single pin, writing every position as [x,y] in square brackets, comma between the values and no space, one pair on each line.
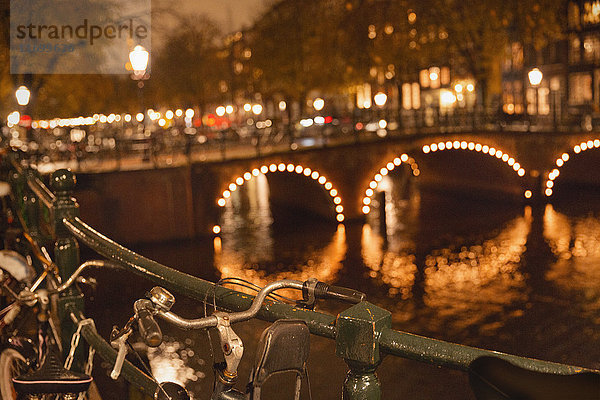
[576,243]
[254,249]
[176,361]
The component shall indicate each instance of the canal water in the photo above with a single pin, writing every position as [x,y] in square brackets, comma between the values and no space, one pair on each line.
[480,271]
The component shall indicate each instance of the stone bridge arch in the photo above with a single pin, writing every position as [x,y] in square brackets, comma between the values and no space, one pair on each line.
[421,168]
[582,159]
[292,185]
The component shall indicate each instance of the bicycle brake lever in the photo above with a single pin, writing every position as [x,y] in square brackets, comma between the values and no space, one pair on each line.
[231,345]
[119,341]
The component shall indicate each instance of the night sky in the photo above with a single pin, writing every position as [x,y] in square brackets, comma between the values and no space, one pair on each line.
[231,14]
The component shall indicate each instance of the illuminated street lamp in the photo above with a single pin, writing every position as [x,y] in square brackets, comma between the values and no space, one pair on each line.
[380,99]
[138,58]
[22,94]
[257,109]
[318,104]
[535,78]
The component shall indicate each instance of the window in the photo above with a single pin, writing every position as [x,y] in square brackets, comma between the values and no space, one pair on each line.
[591,48]
[512,97]
[517,55]
[424,78]
[411,96]
[591,12]
[573,16]
[574,50]
[580,88]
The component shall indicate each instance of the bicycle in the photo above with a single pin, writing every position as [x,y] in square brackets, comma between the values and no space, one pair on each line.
[283,347]
[33,367]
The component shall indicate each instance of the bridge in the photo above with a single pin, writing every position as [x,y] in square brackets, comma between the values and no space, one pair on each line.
[338,180]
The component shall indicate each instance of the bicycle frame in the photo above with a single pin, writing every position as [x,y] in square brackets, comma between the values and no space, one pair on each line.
[362,333]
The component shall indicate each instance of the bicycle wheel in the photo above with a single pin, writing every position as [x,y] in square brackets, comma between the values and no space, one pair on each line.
[12,364]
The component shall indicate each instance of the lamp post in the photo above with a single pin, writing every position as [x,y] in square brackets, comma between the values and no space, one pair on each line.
[257,110]
[380,99]
[139,58]
[23,95]
[318,105]
[535,78]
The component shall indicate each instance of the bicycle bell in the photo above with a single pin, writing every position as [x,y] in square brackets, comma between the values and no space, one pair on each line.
[161,298]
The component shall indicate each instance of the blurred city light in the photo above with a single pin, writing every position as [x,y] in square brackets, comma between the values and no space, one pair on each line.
[22,94]
[380,99]
[139,57]
[318,104]
[13,118]
[257,109]
[535,76]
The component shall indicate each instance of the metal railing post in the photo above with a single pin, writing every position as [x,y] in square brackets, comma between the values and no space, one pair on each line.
[357,342]
[66,251]
[31,207]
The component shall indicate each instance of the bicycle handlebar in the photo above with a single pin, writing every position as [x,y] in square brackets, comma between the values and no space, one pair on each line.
[148,328]
[313,289]
[212,321]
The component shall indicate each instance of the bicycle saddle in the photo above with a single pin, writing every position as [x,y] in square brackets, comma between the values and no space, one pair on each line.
[283,347]
[496,379]
[51,377]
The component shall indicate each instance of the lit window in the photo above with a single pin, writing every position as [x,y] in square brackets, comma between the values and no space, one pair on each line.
[591,48]
[411,96]
[580,88]
[573,16]
[424,78]
[574,50]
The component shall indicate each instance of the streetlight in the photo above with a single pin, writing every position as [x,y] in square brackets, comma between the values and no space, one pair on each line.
[380,99]
[318,104]
[257,109]
[22,94]
[535,78]
[138,58]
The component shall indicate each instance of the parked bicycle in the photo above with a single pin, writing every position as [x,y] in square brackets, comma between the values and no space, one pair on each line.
[31,363]
[283,347]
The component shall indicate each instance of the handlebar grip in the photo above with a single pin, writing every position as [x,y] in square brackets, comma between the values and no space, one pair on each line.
[344,294]
[149,329]
[313,288]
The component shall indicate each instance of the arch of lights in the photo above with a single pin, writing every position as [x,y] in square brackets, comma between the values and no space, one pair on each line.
[562,160]
[282,167]
[479,148]
[378,177]
[440,146]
